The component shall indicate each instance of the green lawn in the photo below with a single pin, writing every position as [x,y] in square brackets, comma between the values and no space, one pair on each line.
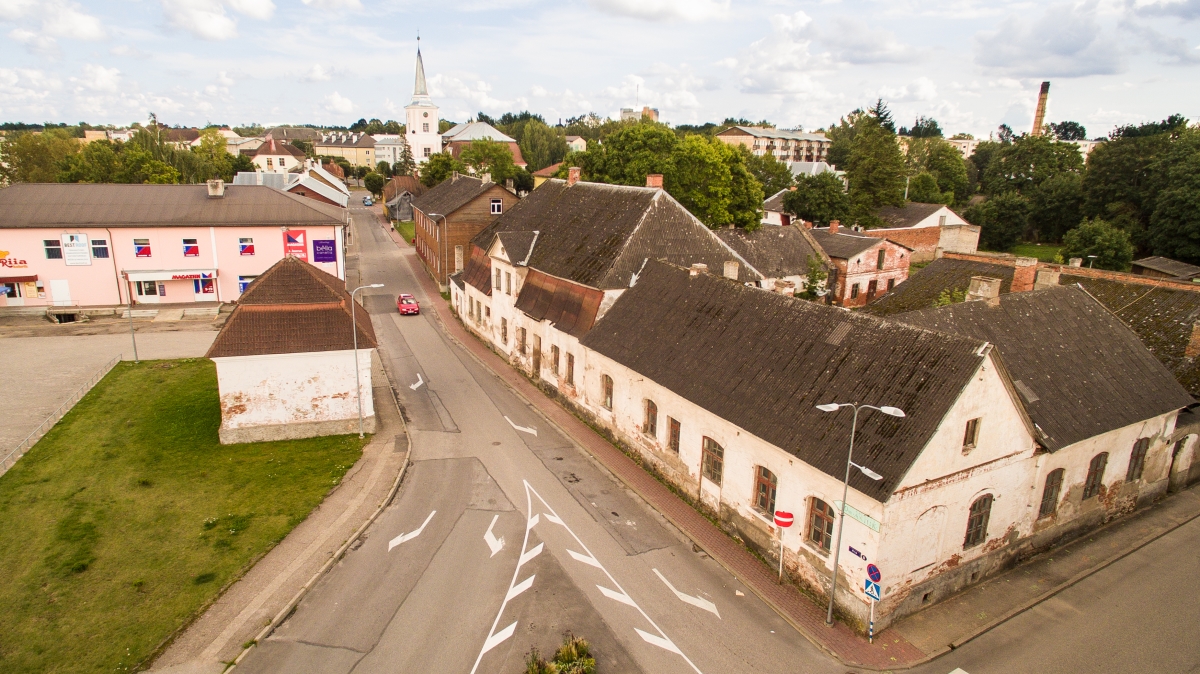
[129,517]
[407,229]
[1045,252]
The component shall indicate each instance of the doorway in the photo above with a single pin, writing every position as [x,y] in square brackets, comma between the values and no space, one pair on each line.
[60,291]
[537,356]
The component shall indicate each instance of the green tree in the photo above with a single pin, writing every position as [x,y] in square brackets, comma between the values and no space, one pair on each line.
[138,165]
[439,167]
[746,196]
[406,166]
[1175,222]
[28,157]
[1002,220]
[1055,206]
[882,115]
[1068,131]
[818,199]
[773,174]
[814,280]
[950,296]
[875,171]
[923,188]
[1111,246]
[945,163]
[374,183]
[98,162]
[489,156]
[628,155]
[540,145]
[700,179]
[384,169]
[923,127]
[1023,164]
[213,155]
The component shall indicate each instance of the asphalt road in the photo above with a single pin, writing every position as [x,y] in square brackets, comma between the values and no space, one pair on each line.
[502,540]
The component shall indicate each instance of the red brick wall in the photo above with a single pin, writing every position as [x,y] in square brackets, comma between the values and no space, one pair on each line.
[895,268]
[304,192]
[923,240]
[1120,276]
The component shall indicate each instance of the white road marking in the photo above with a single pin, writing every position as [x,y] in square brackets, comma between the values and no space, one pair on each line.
[530,554]
[420,380]
[531,522]
[411,535]
[959,670]
[616,596]
[494,544]
[584,558]
[518,589]
[524,429]
[687,598]
[497,638]
[661,642]
[554,519]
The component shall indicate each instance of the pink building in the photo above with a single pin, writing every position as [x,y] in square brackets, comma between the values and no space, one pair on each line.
[96,245]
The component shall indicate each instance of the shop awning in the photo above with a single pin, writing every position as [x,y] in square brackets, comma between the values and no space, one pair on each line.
[170,274]
[18,279]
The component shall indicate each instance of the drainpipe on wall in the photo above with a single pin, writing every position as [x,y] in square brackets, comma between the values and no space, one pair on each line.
[112,249]
[212,237]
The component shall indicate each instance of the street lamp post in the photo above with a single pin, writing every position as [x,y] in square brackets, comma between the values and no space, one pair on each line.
[833,407]
[354,324]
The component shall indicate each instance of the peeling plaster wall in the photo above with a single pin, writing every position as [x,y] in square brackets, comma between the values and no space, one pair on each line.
[293,388]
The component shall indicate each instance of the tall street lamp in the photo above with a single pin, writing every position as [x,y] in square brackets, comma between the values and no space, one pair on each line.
[354,324]
[833,407]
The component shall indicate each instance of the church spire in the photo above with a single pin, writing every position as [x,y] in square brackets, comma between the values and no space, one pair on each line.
[420,88]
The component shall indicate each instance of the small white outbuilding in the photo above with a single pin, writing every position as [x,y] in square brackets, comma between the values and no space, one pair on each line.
[286,358]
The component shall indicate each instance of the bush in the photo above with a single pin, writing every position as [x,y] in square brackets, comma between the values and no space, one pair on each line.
[1002,220]
[1111,246]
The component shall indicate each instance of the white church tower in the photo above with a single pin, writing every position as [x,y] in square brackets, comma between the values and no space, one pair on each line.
[421,126]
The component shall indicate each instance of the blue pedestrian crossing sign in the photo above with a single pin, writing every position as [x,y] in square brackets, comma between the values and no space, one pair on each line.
[871,588]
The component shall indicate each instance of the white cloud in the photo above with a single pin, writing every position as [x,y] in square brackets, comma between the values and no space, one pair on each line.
[36,43]
[318,73]
[255,9]
[920,89]
[333,4]
[26,91]
[1175,49]
[65,20]
[782,63]
[664,10]
[1184,9]
[852,41]
[339,104]
[476,95]
[1065,41]
[208,20]
[98,78]
[43,22]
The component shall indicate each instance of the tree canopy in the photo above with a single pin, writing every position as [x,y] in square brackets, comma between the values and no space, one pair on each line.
[818,199]
[1110,246]
[439,167]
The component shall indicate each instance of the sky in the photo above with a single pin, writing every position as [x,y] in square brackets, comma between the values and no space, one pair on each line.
[970,64]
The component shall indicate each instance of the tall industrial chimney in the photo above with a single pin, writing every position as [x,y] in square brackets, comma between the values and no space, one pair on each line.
[1040,115]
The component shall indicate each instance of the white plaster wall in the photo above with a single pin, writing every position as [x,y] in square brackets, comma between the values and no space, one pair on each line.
[293,388]
[963,238]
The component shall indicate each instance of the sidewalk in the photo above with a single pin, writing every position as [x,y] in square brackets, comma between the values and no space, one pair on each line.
[269,590]
[890,649]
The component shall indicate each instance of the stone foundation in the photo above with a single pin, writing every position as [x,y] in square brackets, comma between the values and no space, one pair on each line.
[295,431]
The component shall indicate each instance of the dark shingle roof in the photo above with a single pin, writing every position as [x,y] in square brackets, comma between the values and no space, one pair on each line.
[774,251]
[478,271]
[600,235]
[1079,370]
[293,307]
[908,214]
[450,195]
[923,288]
[517,245]
[120,205]
[775,201]
[843,245]
[1168,266]
[277,147]
[762,361]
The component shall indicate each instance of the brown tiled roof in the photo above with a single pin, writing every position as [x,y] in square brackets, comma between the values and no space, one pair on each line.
[293,307]
[400,184]
[775,201]
[1168,266]
[1079,371]
[451,194]
[843,245]
[601,235]
[478,271]
[276,147]
[549,171]
[924,287]
[908,214]
[763,361]
[773,251]
[180,135]
[119,205]
[568,306]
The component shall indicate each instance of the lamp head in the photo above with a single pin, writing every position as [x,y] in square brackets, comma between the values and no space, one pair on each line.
[380,285]
[829,407]
[870,473]
[892,411]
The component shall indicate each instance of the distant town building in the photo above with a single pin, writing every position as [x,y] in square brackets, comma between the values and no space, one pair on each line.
[863,267]
[421,115]
[310,180]
[576,143]
[542,175]
[786,146]
[389,147]
[398,196]
[460,137]
[926,227]
[356,148]
[1165,267]
[449,215]
[275,156]
[628,114]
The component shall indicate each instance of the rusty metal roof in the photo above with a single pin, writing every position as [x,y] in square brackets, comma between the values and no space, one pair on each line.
[568,306]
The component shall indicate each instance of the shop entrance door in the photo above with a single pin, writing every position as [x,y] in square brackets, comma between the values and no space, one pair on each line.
[205,290]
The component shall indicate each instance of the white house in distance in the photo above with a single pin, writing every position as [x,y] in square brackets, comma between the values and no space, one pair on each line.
[421,119]
[286,362]
[926,227]
[576,144]
[276,156]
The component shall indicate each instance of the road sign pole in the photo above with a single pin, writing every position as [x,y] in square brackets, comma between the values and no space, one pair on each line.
[780,555]
[871,631]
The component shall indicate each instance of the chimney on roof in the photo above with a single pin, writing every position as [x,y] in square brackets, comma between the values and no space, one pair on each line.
[508,185]
[453,176]
[833,226]
[1024,275]
[731,269]
[785,287]
[654,180]
[1193,347]
[485,178]
[698,269]
[216,189]
[1076,262]
[986,289]
[572,175]
[1046,278]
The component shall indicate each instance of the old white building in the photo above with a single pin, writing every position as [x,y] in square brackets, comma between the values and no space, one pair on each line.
[286,361]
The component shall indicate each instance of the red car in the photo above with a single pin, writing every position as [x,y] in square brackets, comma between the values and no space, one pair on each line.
[407,304]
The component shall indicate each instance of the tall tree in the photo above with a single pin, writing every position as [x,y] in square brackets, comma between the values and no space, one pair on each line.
[875,171]
[940,159]
[773,174]
[439,167]
[923,127]
[98,162]
[374,183]
[406,166]
[882,115]
[1175,222]
[923,188]
[1002,220]
[1023,164]
[489,156]
[1068,131]
[540,145]
[27,157]
[818,199]
[1056,205]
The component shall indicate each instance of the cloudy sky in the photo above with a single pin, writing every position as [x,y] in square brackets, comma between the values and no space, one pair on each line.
[971,64]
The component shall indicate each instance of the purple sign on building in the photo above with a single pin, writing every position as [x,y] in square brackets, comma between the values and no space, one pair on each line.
[324,250]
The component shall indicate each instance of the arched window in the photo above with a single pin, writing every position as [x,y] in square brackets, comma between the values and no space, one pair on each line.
[1137,460]
[820,523]
[1095,476]
[650,424]
[977,521]
[765,486]
[1050,493]
[606,391]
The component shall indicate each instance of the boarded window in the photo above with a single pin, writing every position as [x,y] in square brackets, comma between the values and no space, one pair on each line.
[820,523]
[571,369]
[971,436]
[504,331]
[854,291]
[650,423]
[1050,493]
[673,432]
[1137,460]
[765,486]
[554,359]
[977,521]
[521,341]
[891,284]
[1095,476]
[537,355]
[496,285]
[713,463]
[882,259]
[606,391]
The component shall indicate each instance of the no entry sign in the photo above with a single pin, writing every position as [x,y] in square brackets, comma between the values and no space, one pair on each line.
[783,519]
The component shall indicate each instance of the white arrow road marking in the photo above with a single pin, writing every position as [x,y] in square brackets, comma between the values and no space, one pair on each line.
[661,642]
[586,559]
[534,552]
[498,637]
[411,535]
[554,519]
[420,380]
[494,544]
[531,523]
[616,596]
[518,589]
[689,599]
[524,429]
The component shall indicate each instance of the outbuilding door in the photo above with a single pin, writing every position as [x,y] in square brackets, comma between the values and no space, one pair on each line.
[927,541]
[60,292]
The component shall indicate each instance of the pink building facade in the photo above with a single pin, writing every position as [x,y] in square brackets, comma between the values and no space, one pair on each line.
[83,264]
